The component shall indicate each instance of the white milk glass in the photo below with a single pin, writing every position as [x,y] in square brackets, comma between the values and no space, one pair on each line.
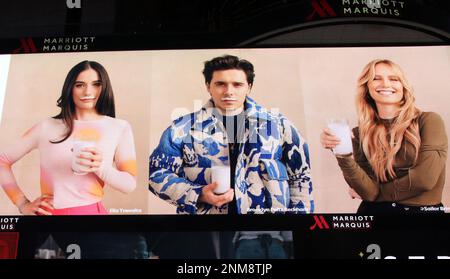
[221,175]
[78,146]
[341,129]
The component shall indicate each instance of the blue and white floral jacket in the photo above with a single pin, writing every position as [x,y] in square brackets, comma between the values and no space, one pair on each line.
[272,170]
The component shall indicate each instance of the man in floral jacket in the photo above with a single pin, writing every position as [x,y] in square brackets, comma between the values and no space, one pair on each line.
[268,158]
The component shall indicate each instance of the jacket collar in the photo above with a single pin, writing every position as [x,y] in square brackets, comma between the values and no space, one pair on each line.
[207,122]
[252,110]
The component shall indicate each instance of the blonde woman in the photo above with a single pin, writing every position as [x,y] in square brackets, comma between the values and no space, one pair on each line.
[399,152]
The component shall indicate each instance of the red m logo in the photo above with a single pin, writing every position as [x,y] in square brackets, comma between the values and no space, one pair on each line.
[26,46]
[320,222]
[8,245]
[322,10]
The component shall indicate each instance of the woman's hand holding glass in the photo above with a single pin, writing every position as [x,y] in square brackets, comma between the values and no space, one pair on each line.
[89,159]
[328,139]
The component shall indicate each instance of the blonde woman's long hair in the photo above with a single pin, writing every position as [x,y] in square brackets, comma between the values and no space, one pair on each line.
[380,143]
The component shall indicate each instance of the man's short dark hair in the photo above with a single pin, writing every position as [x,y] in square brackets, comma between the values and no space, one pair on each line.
[228,62]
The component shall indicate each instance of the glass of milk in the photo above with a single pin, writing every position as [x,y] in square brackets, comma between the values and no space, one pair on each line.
[341,129]
[78,146]
[221,175]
